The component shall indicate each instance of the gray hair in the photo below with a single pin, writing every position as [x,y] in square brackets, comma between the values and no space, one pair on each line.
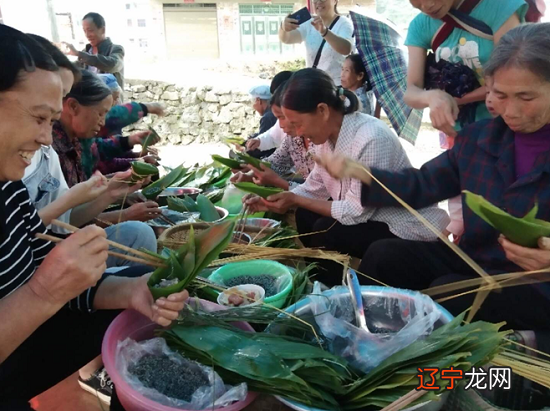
[526,46]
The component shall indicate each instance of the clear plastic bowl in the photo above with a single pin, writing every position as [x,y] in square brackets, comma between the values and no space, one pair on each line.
[132,324]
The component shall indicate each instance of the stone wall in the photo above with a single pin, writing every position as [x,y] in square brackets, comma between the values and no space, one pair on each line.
[192,114]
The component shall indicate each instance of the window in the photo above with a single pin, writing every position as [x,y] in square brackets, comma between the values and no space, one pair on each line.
[128,6]
[141,22]
[142,42]
[129,22]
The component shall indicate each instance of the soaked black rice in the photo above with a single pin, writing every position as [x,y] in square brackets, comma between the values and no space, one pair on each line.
[266,281]
[168,377]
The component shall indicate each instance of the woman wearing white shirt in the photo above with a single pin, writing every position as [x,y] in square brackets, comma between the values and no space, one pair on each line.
[338,39]
[324,203]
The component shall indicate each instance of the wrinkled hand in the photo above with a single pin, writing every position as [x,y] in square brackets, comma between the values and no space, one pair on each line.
[162,311]
[340,167]
[530,259]
[140,137]
[280,203]
[267,177]
[319,25]
[146,211]
[240,177]
[290,24]
[443,112]
[69,49]
[155,108]
[73,266]
[88,190]
[135,198]
[119,186]
[153,151]
[154,160]
[253,144]
[254,203]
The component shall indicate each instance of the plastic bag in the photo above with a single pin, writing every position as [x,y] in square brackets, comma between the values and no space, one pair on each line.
[232,199]
[214,395]
[406,320]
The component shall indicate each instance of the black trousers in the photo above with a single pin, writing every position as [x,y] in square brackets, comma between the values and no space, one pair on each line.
[419,265]
[354,240]
[58,348]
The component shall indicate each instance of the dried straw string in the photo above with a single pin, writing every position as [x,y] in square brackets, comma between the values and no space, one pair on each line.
[481,295]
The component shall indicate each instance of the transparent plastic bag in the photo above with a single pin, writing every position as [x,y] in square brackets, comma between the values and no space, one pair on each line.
[215,394]
[393,324]
[232,199]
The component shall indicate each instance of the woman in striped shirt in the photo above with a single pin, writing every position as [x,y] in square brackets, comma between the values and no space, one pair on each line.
[48,295]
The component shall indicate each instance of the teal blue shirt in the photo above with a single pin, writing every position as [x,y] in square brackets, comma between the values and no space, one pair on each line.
[462,46]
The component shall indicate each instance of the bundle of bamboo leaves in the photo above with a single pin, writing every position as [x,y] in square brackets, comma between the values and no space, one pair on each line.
[184,264]
[302,371]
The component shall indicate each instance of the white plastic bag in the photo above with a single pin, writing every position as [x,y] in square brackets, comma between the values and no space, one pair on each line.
[232,199]
[414,317]
[214,395]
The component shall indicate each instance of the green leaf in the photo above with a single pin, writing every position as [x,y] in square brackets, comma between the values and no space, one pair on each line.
[524,231]
[262,191]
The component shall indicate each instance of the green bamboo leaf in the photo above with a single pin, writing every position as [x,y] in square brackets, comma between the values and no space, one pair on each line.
[522,231]
[154,189]
[262,191]
[229,162]
[252,161]
[207,209]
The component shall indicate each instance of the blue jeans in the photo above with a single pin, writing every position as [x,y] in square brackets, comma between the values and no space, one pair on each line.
[133,234]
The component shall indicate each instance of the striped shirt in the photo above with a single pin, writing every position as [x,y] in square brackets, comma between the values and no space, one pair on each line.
[369,141]
[20,252]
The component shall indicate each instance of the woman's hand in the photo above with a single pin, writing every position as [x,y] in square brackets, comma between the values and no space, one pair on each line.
[140,137]
[319,25]
[253,144]
[443,111]
[146,211]
[530,259]
[74,265]
[150,159]
[281,203]
[119,186]
[290,24]
[240,177]
[340,167]
[254,203]
[267,177]
[162,311]
[88,190]
[155,108]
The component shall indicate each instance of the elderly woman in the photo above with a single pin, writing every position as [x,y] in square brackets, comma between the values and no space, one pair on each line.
[331,207]
[55,302]
[506,160]
[84,110]
[461,45]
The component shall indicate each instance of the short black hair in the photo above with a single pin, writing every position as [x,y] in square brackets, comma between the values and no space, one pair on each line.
[279,79]
[58,57]
[97,18]
[19,52]
[276,99]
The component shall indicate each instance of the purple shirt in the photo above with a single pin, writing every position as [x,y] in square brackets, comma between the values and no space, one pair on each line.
[528,147]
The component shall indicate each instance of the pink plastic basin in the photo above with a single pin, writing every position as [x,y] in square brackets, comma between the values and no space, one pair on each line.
[134,325]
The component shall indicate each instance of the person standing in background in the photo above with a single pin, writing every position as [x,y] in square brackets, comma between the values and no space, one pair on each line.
[327,37]
[101,55]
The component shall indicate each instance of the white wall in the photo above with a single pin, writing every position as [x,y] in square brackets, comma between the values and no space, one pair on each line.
[29,16]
